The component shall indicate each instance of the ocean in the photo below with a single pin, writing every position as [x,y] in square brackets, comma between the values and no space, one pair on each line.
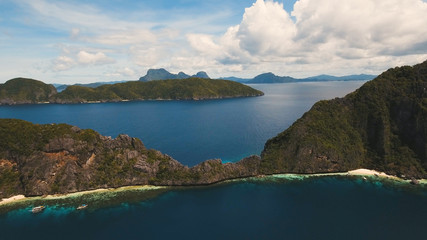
[291,207]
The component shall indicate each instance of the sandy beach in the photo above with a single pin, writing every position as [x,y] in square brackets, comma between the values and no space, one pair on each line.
[368,172]
[356,172]
[12,199]
[18,198]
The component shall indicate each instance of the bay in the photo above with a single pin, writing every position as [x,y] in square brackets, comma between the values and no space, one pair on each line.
[333,207]
[194,131]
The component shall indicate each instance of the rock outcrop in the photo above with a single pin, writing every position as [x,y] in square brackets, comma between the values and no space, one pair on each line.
[163,74]
[381,126]
[59,158]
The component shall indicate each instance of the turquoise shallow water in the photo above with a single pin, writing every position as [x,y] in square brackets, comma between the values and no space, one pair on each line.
[313,208]
[193,131]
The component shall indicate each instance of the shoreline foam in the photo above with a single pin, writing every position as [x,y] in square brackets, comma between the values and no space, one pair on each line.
[20,198]
[356,172]
[368,172]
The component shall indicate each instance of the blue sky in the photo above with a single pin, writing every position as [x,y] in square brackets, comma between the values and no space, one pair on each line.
[89,41]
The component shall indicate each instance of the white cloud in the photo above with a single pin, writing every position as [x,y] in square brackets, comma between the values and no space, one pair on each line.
[329,36]
[98,58]
[72,59]
[148,56]
[124,72]
[63,63]
[204,43]
[363,28]
[127,72]
[319,36]
[266,28]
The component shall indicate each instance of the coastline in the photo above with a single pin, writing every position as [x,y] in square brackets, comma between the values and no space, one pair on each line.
[291,176]
[362,172]
[134,100]
[22,198]
[368,172]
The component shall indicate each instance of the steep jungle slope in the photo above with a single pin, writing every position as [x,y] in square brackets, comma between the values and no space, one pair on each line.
[381,126]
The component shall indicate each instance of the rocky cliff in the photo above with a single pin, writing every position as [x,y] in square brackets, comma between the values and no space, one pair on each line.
[163,74]
[381,126]
[59,158]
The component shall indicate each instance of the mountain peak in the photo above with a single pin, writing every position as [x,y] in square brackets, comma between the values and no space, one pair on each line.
[162,74]
[201,74]
[157,74]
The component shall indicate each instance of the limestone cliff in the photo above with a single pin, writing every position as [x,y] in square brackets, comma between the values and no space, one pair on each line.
[59,158]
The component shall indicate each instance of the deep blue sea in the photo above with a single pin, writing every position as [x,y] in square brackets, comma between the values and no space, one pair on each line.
[193,131]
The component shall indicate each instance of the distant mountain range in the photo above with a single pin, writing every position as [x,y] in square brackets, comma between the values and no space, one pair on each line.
[272,78]
[163,74]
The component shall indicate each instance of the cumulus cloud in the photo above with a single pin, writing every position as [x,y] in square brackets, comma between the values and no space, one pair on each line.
[364,28]
[319,36]
[63,63]
[266,28]
[322,34]
[98,58]
[148,56]
[124,72]
[81,58]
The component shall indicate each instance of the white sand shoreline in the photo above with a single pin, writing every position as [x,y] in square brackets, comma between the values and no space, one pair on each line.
[12,199]
[368,172]
[20,198]
[356,172]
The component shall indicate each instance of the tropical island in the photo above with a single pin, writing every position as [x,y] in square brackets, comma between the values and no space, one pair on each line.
[29,91]
[381,126]
[264,78]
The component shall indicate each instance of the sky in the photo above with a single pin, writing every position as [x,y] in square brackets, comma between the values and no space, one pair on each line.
[91,41]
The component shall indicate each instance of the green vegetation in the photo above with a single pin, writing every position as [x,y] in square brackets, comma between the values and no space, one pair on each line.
[177,89]
[382,126]
[9,178]
[59,158]
[18,137]
[24,90]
